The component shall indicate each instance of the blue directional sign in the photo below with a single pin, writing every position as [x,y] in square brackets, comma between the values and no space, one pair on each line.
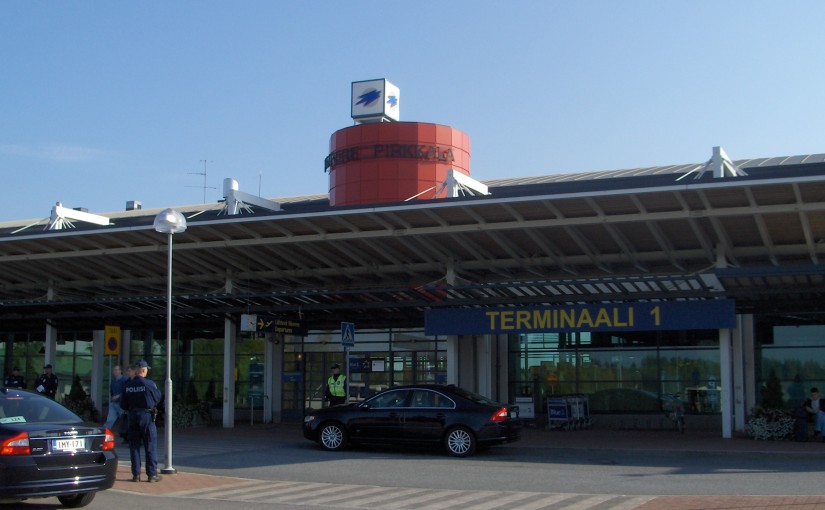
[347,334]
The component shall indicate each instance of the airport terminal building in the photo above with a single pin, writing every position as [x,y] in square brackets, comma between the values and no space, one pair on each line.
[623,285]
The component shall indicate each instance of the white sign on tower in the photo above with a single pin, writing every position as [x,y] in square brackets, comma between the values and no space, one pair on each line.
[375,101]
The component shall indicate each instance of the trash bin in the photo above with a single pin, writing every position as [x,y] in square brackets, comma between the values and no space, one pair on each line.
[526,408]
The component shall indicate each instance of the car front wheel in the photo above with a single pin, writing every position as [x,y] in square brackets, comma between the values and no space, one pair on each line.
[76,500]
[332,437]
[460,442]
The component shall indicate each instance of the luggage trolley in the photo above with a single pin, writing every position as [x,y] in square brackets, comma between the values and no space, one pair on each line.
[559,414]
[568,412]
[580,407]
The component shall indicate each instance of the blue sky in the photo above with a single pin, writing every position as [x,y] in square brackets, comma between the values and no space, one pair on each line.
[109,101]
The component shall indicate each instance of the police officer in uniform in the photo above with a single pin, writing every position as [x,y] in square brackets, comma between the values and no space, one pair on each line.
[140,396]
[336,387]
[15,380]
[47,382]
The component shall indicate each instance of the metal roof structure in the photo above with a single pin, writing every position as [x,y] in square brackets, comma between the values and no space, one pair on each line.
[639,234]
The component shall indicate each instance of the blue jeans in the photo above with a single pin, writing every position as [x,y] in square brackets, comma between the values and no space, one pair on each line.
[114,414]
[819,422]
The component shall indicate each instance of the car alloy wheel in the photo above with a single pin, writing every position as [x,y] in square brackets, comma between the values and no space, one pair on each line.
[460,442]
[332,437]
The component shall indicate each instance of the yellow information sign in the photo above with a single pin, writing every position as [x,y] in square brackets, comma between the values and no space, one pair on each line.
[112,340]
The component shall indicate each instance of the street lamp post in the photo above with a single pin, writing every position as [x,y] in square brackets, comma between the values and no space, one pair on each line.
[169,222]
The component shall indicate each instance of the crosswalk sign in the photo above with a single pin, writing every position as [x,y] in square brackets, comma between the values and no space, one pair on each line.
[347,334]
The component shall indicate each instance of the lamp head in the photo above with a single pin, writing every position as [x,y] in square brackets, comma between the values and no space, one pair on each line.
[170,221]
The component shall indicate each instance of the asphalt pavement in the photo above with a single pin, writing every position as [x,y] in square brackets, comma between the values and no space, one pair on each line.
[187,482]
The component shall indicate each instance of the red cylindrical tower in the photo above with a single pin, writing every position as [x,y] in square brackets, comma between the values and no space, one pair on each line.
[393,161]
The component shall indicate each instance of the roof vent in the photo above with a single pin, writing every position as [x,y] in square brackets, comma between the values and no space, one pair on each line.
[133,205]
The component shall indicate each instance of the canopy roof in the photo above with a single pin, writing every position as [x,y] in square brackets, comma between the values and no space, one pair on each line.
[639,234]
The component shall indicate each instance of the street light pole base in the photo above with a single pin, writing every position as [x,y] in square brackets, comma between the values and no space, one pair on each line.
[169,471]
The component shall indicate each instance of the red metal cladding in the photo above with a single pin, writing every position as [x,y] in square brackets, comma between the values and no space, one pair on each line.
[393,161]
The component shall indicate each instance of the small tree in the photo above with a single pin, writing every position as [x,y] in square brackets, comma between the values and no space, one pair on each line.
[770,420]
[772,392]
[192,393]
[210,395]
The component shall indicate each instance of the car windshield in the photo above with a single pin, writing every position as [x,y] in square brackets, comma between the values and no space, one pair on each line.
[23,407]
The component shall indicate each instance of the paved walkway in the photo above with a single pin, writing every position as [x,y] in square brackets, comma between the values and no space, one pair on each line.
[194,485]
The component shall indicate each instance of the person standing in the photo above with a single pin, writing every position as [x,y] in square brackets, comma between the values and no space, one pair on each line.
[336,392]
[115,391]
[140,395]
[47,382]
[816,407]
[15,380]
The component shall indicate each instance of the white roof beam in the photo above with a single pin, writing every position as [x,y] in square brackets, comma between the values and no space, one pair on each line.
[237,201]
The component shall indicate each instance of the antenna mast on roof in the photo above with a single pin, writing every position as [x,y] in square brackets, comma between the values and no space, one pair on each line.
[205,187]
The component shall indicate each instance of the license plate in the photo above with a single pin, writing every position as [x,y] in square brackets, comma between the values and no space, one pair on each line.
[68,445]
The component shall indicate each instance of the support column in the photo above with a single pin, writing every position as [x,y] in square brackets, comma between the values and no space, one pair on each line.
[229,347]
[742,344]
[125,348]
[272,371]
[726,384]
[51,344]
[484,366]
[99,393]
[749,363]
[451,344]
[51,334]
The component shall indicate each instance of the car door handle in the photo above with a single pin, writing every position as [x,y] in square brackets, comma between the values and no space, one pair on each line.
[439,416]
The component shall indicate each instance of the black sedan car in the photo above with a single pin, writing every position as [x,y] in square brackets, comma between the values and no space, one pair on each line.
[420,414]
[47,450]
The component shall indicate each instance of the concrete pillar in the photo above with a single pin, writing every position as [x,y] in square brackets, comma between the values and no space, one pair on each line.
[125,349]
[484,365]
[99,393]
[451,344]
[51,344]
[726,384]
[273,354]
[742,349]
[229,346]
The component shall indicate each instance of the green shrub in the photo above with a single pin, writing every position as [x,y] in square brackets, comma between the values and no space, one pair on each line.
[770,424]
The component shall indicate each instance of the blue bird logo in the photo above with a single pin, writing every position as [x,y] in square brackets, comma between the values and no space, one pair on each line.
[368,97]
[392,101]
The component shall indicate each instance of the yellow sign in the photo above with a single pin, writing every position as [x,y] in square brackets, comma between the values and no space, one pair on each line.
[112,340]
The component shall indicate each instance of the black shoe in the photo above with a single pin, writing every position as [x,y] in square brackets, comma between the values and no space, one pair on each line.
[155,479]
[136,478]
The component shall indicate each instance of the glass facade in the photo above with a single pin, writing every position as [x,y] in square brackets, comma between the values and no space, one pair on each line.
[793,347]
[618,372]
[380,359]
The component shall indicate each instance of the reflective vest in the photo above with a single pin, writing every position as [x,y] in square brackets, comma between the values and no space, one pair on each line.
[336,388]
